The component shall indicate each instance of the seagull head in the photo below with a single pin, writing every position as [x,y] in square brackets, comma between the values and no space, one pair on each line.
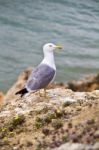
[50,47]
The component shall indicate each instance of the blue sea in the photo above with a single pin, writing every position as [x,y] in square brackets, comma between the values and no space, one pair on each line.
[25,25]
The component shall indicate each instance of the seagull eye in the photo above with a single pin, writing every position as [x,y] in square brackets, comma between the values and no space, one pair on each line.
[50,45]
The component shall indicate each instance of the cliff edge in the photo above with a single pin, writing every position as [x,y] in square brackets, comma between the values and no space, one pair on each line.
[64,120]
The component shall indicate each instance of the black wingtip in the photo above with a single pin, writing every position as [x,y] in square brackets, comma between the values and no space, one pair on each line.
[22,92]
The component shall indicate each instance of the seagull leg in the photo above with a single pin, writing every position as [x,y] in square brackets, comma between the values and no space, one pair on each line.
[45,92]
[43,95]
[40,93]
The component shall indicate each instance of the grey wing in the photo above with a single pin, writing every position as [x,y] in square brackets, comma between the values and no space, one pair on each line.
[40,77]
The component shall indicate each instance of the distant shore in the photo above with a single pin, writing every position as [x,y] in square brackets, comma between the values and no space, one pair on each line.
[88,84]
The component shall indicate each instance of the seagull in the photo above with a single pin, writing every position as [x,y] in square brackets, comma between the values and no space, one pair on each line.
[44,73]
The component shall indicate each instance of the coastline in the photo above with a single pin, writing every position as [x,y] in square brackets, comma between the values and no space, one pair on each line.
[87,84]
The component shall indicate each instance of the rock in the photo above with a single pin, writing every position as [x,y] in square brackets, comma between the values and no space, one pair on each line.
[64,118]
[90,121]
[76,146]
[89,83]
[25,142]
[96,146]
[96,134]
[46,131]
[15,148]
[57,123]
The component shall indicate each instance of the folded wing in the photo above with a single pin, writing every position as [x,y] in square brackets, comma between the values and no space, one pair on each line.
[40,77]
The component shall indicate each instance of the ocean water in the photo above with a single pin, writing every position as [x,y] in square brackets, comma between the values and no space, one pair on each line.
[25,25]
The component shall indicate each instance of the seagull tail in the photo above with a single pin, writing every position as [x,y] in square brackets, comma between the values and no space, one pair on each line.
[22,92]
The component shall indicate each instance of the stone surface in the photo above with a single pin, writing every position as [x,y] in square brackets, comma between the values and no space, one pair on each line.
[62,120]
[89,83]
[69,146]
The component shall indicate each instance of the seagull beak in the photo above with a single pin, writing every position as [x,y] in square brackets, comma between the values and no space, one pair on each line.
[58,47]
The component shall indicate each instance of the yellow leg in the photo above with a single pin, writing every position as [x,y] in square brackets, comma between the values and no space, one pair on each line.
[43,95]
[44,92]
[40,93]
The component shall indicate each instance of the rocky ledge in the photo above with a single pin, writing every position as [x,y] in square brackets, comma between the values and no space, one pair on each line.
[64,120]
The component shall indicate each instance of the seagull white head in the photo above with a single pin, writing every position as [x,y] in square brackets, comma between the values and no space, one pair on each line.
[50,47]
[48,54]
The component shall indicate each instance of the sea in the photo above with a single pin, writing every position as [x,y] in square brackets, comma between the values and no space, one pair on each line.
[26,25]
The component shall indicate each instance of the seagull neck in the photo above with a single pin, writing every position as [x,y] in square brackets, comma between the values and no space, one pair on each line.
[49,60]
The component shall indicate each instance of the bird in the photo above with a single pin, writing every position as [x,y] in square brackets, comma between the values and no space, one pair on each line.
[44,73]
